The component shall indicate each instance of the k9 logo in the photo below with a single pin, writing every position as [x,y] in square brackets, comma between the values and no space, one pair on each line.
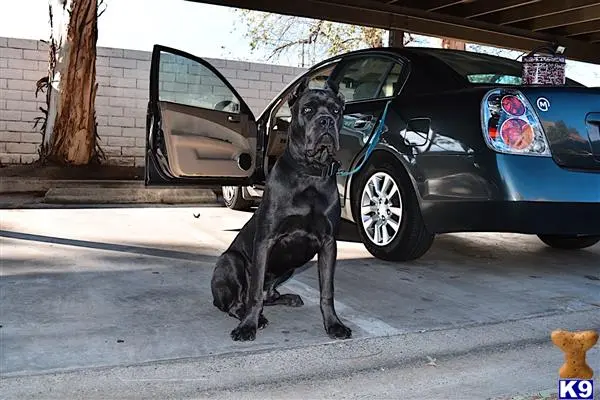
[575,389]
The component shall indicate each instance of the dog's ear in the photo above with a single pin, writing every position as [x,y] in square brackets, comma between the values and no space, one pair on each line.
[331,85]
[335,88]
[298,92]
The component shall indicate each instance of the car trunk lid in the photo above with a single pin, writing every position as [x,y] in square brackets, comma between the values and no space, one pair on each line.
[570,117]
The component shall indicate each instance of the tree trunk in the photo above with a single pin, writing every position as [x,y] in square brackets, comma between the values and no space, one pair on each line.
[57,62]
[453,44]
[373,37]
[73,138]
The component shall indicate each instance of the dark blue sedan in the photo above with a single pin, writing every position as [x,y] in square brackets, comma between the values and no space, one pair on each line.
[466,147]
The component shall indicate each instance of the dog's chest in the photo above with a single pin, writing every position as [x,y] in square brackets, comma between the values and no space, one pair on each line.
[312,200]
[297,240]
[302,229]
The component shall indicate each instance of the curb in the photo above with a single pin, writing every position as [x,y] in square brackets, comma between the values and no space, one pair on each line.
[104,195]
[242,368]
[108,192]
[24,185]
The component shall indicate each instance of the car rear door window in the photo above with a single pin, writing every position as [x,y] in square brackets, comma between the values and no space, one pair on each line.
[315,81]
[318,78]
[367,78]
[392,82]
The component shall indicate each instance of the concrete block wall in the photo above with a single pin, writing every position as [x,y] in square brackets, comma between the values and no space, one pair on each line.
[123,77]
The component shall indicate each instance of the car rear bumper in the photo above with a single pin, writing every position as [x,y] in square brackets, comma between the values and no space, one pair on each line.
[513,216]
[540,179]
[531,195]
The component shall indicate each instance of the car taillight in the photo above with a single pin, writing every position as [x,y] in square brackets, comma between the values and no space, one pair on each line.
[516,133]
[510,125]
[512,105]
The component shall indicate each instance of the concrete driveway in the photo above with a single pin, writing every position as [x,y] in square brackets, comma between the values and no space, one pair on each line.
[120,289]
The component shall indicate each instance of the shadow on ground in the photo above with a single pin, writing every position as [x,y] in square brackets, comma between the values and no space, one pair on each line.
[73,303]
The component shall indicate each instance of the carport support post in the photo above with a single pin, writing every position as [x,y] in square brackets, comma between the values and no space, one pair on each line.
[396,38]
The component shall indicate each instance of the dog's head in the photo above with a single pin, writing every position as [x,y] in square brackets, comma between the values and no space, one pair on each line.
[316,121]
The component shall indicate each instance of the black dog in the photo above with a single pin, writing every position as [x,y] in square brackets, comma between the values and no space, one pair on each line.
[298,217]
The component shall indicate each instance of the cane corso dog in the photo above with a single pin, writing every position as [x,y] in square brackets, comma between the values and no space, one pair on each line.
[298,218]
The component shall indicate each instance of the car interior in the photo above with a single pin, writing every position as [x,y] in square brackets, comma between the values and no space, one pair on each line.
[281,116]
[206,132]
[360,80]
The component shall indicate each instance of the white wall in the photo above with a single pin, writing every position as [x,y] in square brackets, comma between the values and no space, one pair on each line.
[121,102]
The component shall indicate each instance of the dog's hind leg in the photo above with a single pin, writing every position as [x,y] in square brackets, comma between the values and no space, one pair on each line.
[274,298]
[288,299]
[229,286]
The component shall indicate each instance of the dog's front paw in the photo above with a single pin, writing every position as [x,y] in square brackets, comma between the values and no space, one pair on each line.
[262,322]
[244,333]
[338,330]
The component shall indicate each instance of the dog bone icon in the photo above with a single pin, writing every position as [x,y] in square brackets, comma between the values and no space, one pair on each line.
[575,345]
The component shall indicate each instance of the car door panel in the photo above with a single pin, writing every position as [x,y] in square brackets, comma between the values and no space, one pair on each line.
[360,120]
[202,143]
[367,83]
[199,130]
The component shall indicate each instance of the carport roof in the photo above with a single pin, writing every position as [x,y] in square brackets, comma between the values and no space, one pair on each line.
[518,24]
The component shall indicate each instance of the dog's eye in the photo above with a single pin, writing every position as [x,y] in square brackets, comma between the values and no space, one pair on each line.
[336,111]
[306,110]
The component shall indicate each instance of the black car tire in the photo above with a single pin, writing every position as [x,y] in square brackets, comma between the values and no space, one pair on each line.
[412,239]
[567,242]
[233,198]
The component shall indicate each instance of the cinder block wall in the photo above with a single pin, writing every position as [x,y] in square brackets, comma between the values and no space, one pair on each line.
[121,102]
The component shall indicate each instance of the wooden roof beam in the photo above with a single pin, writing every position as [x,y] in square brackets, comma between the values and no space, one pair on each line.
[480,8]
[578,16]
[594,38]
[428,5]
[380,15]
[585,28]
[536,10]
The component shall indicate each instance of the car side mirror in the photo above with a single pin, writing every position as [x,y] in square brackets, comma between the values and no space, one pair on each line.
[417,131]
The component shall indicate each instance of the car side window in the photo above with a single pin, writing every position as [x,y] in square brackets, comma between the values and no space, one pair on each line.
[392,82]
[316,81]
[367,78]
[187,82]
[284,113]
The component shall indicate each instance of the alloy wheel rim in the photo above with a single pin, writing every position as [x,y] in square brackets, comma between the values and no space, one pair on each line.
[381,209]
[228,192]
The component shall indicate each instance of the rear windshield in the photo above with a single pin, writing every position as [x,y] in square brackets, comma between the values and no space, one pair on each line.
[484,69]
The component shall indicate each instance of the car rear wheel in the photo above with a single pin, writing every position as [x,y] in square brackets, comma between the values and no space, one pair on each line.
[569,242]
[389,219]
[233,198]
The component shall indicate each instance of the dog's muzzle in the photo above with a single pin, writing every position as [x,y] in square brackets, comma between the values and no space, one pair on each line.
[327,128]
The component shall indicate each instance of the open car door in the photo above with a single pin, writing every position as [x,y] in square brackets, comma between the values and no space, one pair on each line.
[198,130]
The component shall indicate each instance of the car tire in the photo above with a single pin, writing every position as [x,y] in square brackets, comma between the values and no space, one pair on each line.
[233,198]
[569,242]
[402,234]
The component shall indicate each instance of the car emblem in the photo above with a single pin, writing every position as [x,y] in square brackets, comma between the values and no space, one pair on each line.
[543,104]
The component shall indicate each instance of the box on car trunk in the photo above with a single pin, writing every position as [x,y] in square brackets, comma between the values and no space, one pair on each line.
[543,66]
